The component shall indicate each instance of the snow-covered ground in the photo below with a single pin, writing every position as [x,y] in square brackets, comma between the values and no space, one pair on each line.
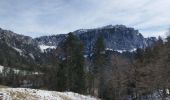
[1,68]
[34,94]
[5,96]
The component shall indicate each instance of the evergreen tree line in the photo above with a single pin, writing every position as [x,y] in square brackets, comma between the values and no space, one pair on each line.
[69,73]
[21,78]
[112,76]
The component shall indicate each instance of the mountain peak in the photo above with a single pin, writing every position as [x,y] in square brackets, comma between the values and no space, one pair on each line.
[113,26]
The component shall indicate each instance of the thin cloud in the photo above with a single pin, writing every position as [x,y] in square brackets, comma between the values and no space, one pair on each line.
[44,17]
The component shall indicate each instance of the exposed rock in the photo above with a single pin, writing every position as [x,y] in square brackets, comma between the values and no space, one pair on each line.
[118,37]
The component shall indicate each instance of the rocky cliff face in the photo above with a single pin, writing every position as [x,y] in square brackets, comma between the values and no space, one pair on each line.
[53,40]
[118,37]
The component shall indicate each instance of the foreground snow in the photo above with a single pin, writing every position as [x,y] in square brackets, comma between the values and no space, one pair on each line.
[34,94]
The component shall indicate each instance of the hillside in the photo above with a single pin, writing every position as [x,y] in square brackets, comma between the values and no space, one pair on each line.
[18,50]
[22,44]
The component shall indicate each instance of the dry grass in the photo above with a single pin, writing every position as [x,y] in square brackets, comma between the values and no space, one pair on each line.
[64,97]
[3,86]
[31,94]
[22,96]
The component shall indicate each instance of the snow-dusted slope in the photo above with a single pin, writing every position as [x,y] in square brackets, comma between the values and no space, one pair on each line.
[34,94]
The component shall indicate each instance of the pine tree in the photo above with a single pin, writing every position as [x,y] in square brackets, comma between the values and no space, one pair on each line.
[61,77]
[98,57]
[52,78]
[73,49]
[99,61]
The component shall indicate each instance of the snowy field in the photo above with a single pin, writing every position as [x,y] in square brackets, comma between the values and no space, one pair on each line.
[34,94]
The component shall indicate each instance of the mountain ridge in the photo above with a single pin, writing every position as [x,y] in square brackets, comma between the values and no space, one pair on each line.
[116,37]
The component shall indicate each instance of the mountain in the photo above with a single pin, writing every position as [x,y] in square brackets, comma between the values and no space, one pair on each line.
[118,38]
[18,50]
[20,43]
[23,64]
[24,51]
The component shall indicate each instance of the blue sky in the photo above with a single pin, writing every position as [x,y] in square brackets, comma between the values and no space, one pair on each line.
[46,17]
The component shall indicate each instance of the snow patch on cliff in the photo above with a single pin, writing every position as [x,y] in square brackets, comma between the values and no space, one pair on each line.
[44,47]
